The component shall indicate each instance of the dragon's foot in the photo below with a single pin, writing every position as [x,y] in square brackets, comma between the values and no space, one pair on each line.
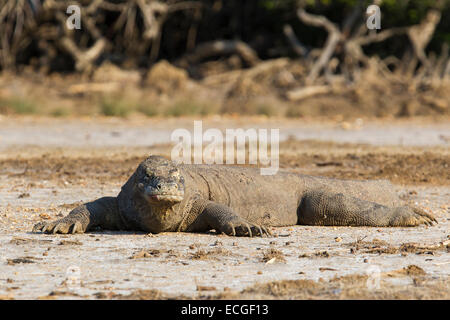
[60,226]
[410,217]
[237,226]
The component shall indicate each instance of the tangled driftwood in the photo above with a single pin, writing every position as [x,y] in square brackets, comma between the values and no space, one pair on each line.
[132,27]
[34,32]
[350,46]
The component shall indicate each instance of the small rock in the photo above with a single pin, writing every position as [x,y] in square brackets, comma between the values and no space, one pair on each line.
[24,195]
[70,242]
[146,254]
[217,243]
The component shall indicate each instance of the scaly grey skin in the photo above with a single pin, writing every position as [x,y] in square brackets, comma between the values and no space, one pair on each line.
[161,196]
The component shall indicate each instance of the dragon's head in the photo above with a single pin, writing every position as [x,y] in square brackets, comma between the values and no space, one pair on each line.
[160,181]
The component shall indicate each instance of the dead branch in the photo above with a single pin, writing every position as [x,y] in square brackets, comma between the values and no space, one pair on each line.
[379,37]
[439,69]
[16,18]
[296,45]
[154,14]
[351,19]
[136,32]
[233,76]
[220,48]
[334,36]
[420,35]
[307,92]
[84,58]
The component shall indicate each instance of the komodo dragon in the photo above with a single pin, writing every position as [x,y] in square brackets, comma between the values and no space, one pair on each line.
[161,196]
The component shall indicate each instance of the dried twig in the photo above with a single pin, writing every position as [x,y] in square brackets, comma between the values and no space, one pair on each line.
[223,47]
[296,45]
[334,36]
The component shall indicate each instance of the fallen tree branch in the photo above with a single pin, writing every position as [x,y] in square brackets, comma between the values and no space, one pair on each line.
[334,36]
[296,45]
[84,59]
[220,48]
[307,92]
[232,76]
[380,36]
[420,35]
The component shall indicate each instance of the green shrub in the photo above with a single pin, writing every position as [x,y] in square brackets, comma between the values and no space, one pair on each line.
[266,109]
[293,112]
[149,109]
[18,106]
[189,108]
[59,112]
[114,107]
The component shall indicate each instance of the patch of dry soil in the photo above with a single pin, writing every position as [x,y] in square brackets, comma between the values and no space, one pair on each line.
[44,182]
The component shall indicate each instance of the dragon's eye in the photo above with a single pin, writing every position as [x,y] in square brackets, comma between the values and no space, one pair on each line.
[148,176]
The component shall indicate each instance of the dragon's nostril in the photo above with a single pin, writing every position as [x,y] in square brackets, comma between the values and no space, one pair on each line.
[159,186]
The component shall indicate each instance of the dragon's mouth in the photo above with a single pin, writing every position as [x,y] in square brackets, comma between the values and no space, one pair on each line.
[166,197]
[159,191]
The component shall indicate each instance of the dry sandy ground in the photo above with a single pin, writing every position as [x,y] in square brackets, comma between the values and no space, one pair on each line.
[48,167]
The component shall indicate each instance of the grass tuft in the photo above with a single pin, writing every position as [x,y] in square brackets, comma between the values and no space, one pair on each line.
[111,107]
[18,105]
[189,108]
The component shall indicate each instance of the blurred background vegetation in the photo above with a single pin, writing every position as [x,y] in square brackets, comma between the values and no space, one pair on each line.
[201,43]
